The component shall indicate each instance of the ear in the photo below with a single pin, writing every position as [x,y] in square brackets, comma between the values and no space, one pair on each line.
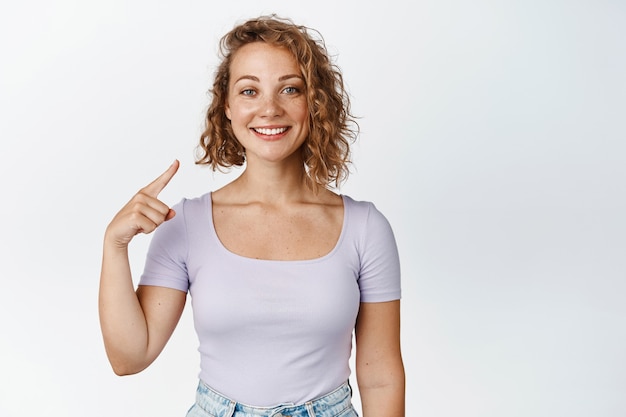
[227,111]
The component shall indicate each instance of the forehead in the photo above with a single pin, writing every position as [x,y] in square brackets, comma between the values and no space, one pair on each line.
[260,57]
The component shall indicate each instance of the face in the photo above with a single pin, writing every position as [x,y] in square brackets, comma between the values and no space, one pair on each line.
[266,103]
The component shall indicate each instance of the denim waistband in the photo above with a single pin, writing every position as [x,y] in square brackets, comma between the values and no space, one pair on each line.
[329,405]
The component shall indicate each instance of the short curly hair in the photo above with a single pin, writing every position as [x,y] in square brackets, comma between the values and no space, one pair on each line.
[332,127]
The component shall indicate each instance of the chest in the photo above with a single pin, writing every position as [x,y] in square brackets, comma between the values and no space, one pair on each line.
[236,296]
[244,273]
[297,233]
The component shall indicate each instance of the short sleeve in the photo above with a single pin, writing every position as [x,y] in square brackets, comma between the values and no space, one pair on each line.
[379,277]
[166,261]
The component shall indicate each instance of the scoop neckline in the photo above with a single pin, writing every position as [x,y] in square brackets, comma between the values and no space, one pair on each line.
[278,261]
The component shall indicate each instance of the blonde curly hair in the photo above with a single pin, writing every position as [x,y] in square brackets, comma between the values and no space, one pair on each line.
[332,127]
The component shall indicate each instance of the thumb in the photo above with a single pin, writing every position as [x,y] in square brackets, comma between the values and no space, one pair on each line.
[170,215]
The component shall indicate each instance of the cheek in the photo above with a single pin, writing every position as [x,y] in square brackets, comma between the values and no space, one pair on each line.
[301,112]
[239,112]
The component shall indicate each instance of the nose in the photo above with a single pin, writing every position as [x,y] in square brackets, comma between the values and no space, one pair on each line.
[271,106]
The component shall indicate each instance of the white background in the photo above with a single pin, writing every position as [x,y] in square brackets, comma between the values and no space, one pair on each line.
[493,139]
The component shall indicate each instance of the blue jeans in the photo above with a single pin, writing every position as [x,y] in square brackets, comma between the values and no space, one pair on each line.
[212,404]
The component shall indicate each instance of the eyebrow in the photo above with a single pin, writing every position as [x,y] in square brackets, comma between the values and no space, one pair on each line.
[282,78]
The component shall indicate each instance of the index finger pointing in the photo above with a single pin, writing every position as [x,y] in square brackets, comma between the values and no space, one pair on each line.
[155,187]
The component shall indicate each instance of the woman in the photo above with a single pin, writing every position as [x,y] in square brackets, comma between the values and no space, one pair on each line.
[280,269]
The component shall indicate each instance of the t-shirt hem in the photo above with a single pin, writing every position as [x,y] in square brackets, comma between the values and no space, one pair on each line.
[164,282]
[381,298]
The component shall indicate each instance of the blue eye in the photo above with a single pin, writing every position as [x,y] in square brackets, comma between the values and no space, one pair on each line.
[291,90]
[248,92]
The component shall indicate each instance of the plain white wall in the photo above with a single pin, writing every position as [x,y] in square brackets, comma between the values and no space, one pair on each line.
[493,138]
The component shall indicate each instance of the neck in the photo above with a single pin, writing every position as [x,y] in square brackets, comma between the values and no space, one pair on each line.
[273,183]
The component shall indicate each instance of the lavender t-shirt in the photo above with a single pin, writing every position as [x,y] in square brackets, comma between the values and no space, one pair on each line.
[273,332]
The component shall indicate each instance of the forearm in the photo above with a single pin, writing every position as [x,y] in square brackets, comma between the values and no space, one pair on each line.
[379,365]
[122,319]
[383,397]
[135,330]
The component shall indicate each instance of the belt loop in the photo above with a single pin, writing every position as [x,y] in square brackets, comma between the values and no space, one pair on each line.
[231,409]
[309,409]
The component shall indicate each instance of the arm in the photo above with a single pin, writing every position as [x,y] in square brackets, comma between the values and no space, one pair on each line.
[379,367]
[135,325]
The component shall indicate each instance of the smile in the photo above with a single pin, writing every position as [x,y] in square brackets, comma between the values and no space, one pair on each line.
[270,132]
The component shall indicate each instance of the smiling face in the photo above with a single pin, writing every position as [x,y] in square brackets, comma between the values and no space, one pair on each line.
[266,102]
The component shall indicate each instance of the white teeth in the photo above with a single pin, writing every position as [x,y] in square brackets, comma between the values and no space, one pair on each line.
[275,131]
